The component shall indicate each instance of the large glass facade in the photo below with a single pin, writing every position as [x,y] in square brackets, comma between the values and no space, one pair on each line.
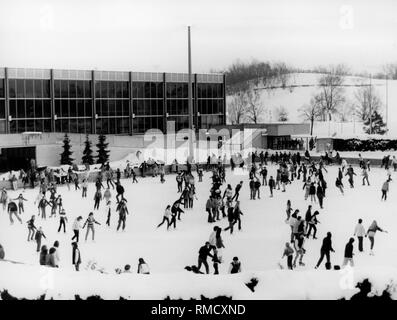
[73,106]
[178,104]
[112,103]
[147,106]
[105,102]
[29,105]
[2,107]
[210,104]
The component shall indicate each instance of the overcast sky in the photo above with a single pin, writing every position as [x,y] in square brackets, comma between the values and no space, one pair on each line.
[150,35]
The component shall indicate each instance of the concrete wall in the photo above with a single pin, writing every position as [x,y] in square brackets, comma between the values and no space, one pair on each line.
[49,145]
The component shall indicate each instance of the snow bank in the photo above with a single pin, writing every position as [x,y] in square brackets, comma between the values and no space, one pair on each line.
[35,281]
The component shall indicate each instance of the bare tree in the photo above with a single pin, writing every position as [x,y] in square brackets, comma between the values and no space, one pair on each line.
[255,107]
[282,114]
[390,70]
[346,111]
[367,101]
[237,108]
[311,112]
[331,91]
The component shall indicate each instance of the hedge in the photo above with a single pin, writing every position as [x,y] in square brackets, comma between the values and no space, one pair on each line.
[364,145]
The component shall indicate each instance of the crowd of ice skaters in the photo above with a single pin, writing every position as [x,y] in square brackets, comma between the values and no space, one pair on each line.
[221,205]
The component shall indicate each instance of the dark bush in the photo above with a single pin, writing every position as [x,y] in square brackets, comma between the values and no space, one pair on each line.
[365,145]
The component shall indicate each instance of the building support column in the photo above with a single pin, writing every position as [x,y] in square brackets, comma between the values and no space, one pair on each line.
[93,106]
[130,105]
[7,101]
[224,99]
[164,103]
[195,104]
[52,101]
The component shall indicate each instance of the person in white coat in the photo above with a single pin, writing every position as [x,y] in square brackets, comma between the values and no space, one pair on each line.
[359,231]
[76,228]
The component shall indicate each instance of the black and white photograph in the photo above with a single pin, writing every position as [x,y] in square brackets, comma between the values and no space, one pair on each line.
[198,151]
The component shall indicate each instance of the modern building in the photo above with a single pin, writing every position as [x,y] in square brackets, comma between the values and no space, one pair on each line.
[95,102]
[276,135]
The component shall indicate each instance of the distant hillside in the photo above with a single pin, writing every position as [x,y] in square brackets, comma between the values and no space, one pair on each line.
[301,86]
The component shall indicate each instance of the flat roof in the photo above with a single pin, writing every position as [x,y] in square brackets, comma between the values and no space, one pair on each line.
[75,74]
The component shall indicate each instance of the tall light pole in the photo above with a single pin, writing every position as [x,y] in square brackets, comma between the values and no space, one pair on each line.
[370,104]
[387,105]
[189,95]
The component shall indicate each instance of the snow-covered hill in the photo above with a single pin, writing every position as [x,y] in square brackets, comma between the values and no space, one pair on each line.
[303,86]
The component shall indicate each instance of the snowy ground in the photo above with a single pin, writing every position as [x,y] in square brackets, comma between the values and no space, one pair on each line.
[259,245]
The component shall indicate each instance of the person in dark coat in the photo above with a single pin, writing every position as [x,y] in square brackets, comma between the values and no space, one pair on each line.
[43,255]
[237,191]
[350,172]
[97,199]
[252,189]
[326,248]
[120,192]
[76,257]
[320,195]
[175,209]
[308,216]
[50,260]
[39,234]
[204,252]
[13,211]
[31,228]
[99,185]
[257,185]
[237,213]
[312,192]
[123,211]
[272,185]
[2,253]
[312,225]
[349,253]
[62,221]
[235,266]
[230,219]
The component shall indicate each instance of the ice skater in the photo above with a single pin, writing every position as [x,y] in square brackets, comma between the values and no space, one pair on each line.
[62,221]
[123,211]
[38,236]
[20,199]
[166,217]
[97,199]
[348,257]
[76,257]
[289,253]
[204,252]
[90,226]
[325,251]
[359,231]
[13,211]
[371,234]
[385,189]
[76,228]
[120,192]
[31,228]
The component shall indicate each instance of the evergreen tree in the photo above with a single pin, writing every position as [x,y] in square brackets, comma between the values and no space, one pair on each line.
[378,126]
[87,152]
[103,153]
[66,154]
